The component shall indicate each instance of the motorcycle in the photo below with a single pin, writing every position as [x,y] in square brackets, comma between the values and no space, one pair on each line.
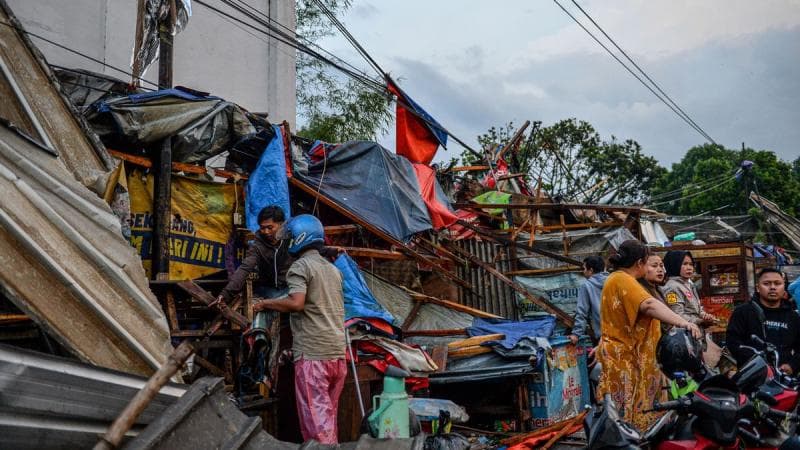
[716,416]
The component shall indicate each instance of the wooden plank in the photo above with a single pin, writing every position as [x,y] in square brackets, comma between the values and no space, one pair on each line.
[378,232]
[172,313]
[334,230]
[411,316]
[565,318]
[365,252]
[526,272]
[439,356]
[200,294]
[466,352]
[475,340]
[204,363]
[215,324]
[553,206]
[176,166]
[468,168]
[450,332]
[502,240]
[453,305]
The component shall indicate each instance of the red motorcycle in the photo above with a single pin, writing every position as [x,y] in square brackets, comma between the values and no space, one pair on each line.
[716,416]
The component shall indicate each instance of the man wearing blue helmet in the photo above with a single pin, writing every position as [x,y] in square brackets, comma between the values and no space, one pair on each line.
[316,304]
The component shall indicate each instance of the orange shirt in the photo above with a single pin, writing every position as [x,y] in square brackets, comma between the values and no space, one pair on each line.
[628,350]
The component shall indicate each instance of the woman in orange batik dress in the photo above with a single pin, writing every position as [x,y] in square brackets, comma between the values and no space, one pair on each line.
[630,329]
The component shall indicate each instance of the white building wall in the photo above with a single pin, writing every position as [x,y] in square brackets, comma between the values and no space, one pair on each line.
[213,54]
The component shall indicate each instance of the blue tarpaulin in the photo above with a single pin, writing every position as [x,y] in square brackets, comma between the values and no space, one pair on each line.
[513,330]
[268,184]
[358,299]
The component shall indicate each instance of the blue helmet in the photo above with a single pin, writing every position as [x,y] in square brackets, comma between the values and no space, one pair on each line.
[303,230]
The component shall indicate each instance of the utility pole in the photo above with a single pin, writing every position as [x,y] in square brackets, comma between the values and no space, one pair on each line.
[162,194]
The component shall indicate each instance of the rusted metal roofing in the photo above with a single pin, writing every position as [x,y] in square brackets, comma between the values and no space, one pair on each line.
[65,262]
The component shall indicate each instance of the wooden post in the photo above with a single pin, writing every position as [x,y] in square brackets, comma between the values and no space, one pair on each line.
[162,198]
[113,437]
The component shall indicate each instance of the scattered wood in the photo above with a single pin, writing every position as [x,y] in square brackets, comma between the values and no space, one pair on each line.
[565,318]
[334,230]
[467,352]
[566,430]
[475,340]
[411,316]
[468,168]
[528,272]
[200,294]
[514,440]
[141,161]
[453,305]
[439,356]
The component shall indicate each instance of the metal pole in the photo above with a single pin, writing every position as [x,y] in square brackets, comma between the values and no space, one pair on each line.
[355,374]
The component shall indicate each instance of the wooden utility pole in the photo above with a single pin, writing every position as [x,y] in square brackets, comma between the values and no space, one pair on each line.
[162,189]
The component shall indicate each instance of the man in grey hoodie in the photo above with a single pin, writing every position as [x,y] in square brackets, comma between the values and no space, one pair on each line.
[588,310]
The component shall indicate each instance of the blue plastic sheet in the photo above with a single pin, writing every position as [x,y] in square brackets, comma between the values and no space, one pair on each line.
[513,330]
[358,299]
[268,184]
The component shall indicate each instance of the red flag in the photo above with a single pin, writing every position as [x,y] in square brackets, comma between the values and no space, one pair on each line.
[441,216]
[418,134]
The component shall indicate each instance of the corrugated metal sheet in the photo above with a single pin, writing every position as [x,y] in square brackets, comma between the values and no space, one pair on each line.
[65,262]
[489,294]
[49,402]
[32,100]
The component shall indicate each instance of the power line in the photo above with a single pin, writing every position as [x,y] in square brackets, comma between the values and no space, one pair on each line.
[698,185]
[700,131]
[643,72]
[76,52]
[731,178]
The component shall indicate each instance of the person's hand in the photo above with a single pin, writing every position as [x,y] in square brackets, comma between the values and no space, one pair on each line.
[259,306]
[693,329]
[339,250]
[787,369]
[708,318]
[573,338]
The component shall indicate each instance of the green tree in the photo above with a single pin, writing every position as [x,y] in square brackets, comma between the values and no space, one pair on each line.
[706,179]
[576,164]
[333,107]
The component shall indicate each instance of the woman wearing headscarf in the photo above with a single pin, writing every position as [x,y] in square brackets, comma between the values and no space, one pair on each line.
[679,291]
[630,329]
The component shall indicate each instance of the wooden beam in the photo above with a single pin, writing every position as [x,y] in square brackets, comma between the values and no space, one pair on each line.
[364,252]
[422,298]
[553,206]
[468,168]
[501,240]
[200,294]
[377,232]
[475,340]
[466,352]
[334,230]
[176,166]
[565,318]
[526,272]
[411,316]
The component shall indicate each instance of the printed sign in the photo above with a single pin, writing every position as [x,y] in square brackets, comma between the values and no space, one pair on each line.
[720,306]
[201,239]
[560,387]
[560,290]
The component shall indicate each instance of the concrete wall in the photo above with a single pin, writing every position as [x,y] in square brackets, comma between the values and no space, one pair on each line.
[213,54]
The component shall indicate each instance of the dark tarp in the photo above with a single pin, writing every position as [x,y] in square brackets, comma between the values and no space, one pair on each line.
[200,126]
[488,366]
[374,184]
[83,87]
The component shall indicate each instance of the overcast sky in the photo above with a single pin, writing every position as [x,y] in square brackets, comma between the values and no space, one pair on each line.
[732,65]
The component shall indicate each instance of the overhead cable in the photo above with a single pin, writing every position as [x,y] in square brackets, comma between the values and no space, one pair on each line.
[696,128]
[655,85]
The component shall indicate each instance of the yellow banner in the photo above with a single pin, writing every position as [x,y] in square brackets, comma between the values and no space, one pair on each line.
[201,236]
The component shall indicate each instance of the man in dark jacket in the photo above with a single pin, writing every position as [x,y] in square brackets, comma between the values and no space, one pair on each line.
[268,256]
[780,326]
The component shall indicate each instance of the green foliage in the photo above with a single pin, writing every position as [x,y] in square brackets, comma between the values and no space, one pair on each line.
[704,181]
[576,164]
[334,108]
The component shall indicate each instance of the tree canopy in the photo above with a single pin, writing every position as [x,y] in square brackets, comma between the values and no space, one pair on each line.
[574,163]
[712,178]
[332,107]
